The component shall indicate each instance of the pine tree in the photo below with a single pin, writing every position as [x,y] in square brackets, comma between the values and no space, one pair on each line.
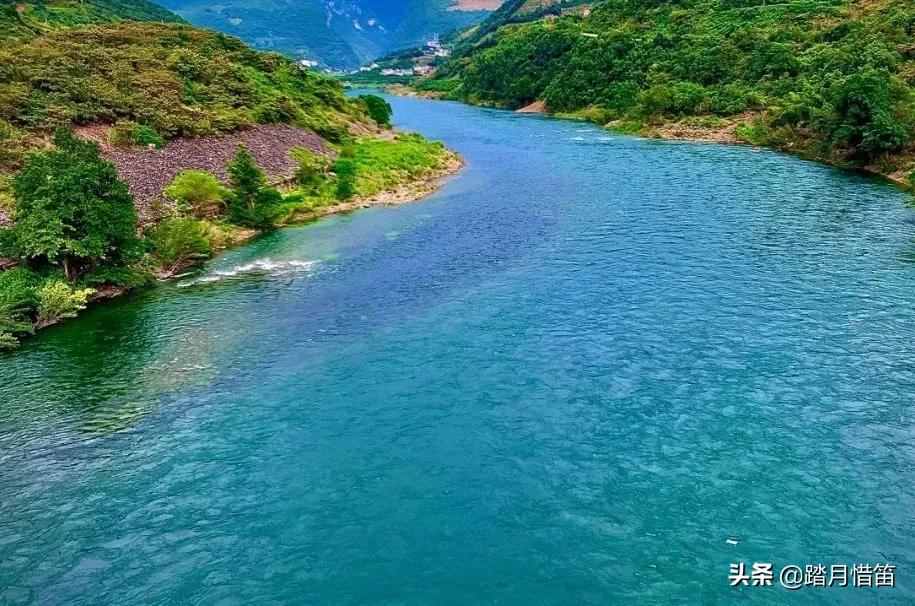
[252,203]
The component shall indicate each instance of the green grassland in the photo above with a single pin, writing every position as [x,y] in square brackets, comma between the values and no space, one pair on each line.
[378,165]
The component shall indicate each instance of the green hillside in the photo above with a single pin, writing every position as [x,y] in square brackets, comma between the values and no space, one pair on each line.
[514,12]
[24,19]
[173,79]
[832,79]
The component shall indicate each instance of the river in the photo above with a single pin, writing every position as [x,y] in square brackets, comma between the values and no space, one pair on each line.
[592,369]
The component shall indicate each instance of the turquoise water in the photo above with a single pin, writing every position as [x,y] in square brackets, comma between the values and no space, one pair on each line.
[593,369]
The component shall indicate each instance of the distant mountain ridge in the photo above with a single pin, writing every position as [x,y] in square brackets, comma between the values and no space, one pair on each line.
[341,34]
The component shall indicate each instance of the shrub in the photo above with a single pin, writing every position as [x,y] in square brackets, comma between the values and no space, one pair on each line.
[58,301]
[379,110]
[198,192]
[8,246]
[756,132]
[12,324]
[17,290]
[866,116]
[130,133]
[133,276]
[178,241]
[345,169]
[312,169]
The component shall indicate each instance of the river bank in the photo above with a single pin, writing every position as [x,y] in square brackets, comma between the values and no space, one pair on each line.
[411,191]
[408,188]
[408,192]
[742,129]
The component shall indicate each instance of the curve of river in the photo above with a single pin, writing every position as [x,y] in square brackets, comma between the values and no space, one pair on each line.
[591,369]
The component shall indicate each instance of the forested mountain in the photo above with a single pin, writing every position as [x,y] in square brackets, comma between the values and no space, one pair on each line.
[338,33]
[830,78]
[520,11]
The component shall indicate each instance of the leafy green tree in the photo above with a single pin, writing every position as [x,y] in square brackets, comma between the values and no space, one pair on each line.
[253,202]
[866,114]
[379,110]
[72,210]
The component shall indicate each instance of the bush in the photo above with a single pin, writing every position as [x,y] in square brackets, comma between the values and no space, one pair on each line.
[130,133]
[12,324]
[379,110]
[17,290]
[682,98]
[8,246]
[133,276]
[312,169]
[345,169]
[58,301]
[198,192]
[866,115]
[177,242]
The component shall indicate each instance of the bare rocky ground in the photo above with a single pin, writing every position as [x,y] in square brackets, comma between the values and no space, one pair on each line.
[148,172]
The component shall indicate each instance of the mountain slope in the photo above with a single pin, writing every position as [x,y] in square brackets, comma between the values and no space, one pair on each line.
[134,66]
[833,79]
[25,19]
[338,33]
[173,79]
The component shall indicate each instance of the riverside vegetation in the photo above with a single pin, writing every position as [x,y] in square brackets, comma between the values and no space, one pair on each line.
[829,79]
[73,226]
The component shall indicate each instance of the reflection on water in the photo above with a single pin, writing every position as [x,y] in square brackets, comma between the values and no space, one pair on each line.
[593,369]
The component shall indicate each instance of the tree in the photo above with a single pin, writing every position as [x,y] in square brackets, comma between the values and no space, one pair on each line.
[252,203]
[865,108]
[72,210]
[379,110]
